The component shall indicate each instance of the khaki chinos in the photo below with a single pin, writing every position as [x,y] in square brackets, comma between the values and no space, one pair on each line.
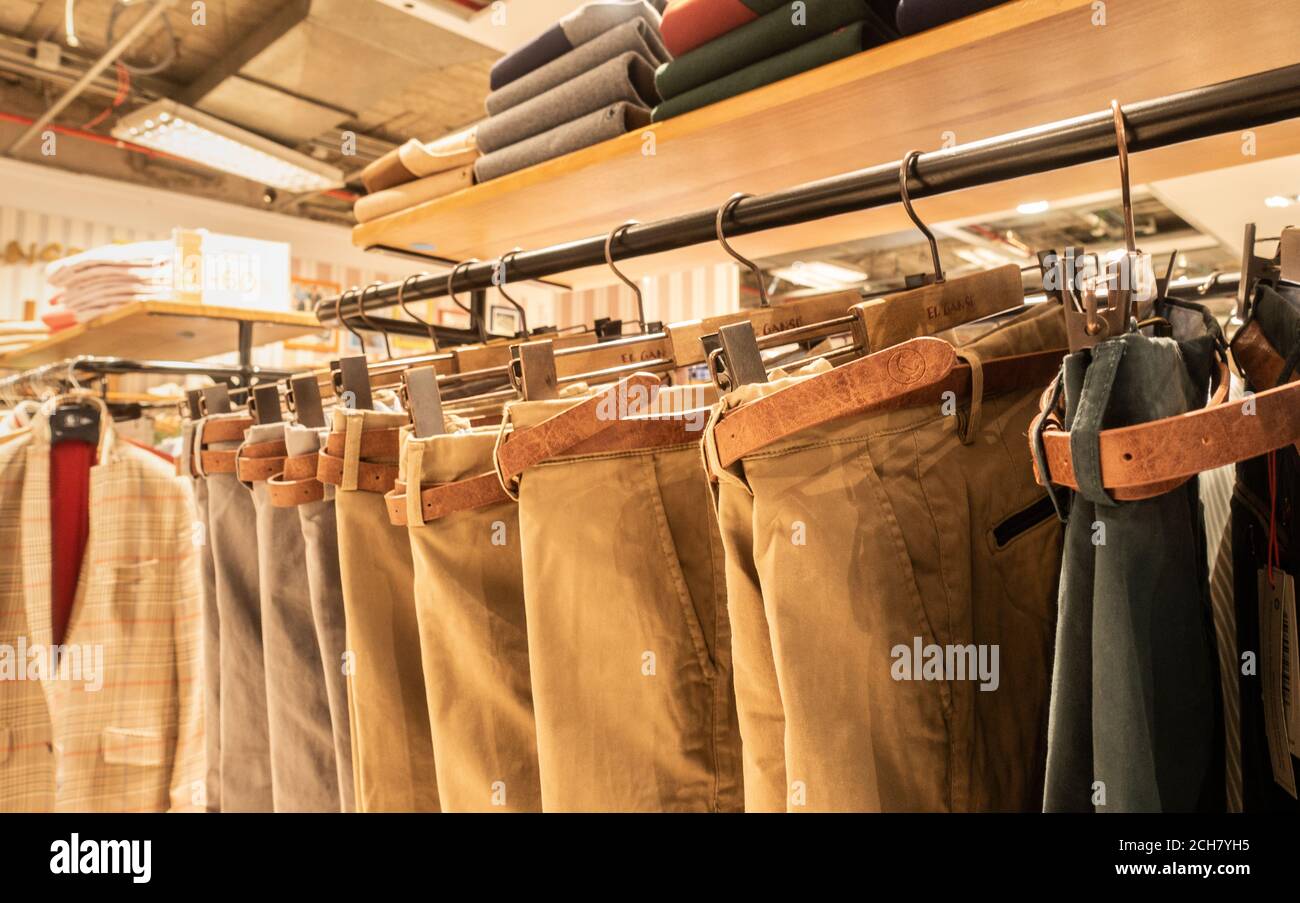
[628,639]
[852,546]
[392,749]
[469,597]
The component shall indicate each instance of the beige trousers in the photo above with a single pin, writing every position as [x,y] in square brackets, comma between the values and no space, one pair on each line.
[628,639]
[392,750]
[892,594]
[469,598]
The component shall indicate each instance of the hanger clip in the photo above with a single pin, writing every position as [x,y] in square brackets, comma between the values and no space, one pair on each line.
[424,401]
[740,355]
[352,381]
[265,404]
[216,399]
[1289,251]
[194,403]
[76,421]
[303,398]
[534,368]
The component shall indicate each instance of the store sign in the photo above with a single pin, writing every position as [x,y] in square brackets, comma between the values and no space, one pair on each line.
[32,254]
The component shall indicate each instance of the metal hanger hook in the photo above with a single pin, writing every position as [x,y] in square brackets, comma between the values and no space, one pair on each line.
[609,261]
[401,302]
[723,211]
[1121,143]
[451,292]
[502,262]
[905,170]
[338,315]
[361,308]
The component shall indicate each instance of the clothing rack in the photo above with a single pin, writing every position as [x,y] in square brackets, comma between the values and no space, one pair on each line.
[1248,102]
[65,372]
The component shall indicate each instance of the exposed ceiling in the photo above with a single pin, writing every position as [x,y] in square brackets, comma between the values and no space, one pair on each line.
[300,72]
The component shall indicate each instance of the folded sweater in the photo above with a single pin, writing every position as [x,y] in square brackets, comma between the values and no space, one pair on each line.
[416,159]
[593,128]
[409,194]
[688,24]
[577,28]
[636,36]
[835,46]
[627,77]
[784,28]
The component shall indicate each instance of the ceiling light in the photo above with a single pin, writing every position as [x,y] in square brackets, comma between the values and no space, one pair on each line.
[1278,200]
[184,132]
[819,274]
[1032,207]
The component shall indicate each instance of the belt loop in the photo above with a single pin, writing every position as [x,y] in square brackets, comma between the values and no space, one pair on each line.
[1060,498]
[971,357]
[414,482]
[353,425]
[496,456]
[196,449]
[185,460]
[709,448]
[1085,426]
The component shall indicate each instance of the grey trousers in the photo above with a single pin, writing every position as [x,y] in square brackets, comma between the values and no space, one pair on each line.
[304,776]
[245,750]
[321,545]
[1134,721]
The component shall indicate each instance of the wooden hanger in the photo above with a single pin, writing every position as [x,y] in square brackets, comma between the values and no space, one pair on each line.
[915,372]
[935,306]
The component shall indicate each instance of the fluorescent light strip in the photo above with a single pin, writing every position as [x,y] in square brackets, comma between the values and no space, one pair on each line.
[192,135]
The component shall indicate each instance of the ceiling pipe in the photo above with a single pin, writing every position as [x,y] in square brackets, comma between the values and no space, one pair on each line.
[110,56]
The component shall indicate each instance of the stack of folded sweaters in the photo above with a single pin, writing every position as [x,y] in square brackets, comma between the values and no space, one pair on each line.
[722,48]
[417,172]
[103,279]
[15,335]
[587,78]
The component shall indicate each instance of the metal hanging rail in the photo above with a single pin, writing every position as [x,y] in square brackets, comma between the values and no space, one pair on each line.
[1248,102]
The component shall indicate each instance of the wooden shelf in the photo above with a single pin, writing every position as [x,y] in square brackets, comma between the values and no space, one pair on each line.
[1015,66]
[163,330]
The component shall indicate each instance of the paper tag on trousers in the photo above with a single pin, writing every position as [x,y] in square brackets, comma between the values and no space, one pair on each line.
[1277,646]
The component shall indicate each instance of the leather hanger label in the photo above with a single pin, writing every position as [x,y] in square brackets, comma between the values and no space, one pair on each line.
[1277,670]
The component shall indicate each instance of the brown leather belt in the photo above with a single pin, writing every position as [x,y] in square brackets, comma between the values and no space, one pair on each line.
[297,485]
[569,428]
[370,477]
[873,384]
[231,430]
[259,461]
[218,461]
[447,498]
[635,434]
[385,443]
[221,460]
[300,467]
[1148,459]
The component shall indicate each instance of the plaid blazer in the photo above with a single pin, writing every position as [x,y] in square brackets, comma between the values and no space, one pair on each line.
[117,725]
